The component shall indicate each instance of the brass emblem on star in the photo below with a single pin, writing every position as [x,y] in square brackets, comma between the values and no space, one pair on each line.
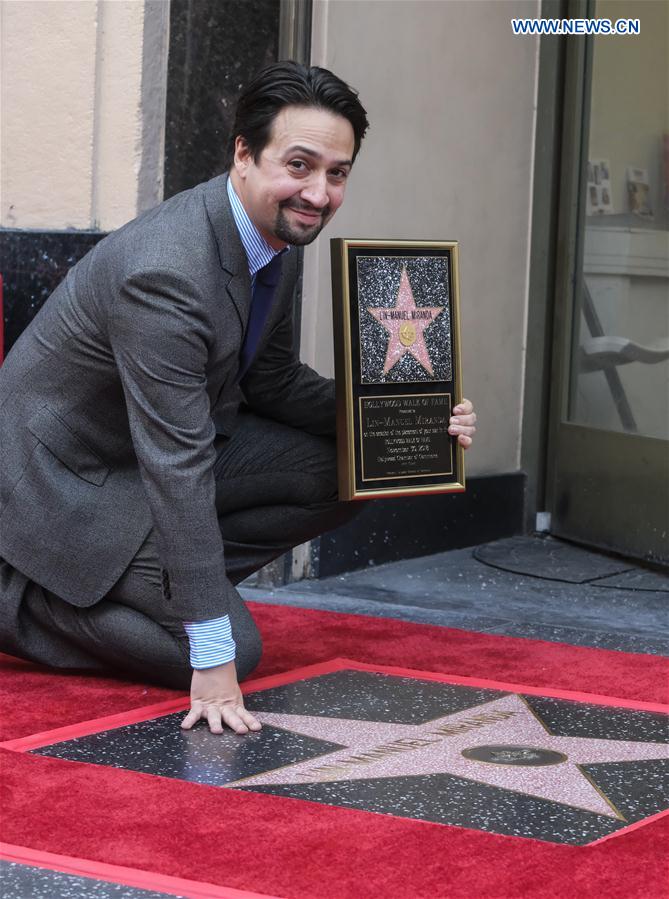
[407,335]
[531,756]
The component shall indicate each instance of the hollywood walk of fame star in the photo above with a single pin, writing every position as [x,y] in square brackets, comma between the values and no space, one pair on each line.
[405,322]
[375,749]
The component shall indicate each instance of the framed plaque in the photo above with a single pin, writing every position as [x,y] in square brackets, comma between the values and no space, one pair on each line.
[397,367]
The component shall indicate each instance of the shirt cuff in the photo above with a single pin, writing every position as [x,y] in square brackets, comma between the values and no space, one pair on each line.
[211,642]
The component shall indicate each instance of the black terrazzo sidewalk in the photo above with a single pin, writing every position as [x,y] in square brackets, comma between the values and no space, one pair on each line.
[18,881]
[547,590]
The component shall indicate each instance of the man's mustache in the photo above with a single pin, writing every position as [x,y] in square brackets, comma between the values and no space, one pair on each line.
[301,206]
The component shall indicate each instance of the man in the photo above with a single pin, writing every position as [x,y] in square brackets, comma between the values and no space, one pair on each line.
[135,492]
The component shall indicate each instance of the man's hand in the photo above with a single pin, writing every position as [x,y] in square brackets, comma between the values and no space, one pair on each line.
[462,423]
[216,697]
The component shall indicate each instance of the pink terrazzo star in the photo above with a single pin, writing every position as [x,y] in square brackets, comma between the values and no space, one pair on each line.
[375,749]
[405,322]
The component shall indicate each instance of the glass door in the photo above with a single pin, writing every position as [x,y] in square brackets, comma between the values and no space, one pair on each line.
[609,444]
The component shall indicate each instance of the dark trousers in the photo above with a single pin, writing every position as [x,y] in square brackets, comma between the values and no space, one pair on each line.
[275,488]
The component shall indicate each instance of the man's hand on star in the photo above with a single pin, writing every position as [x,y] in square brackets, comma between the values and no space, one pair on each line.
[462,423]
[215,696]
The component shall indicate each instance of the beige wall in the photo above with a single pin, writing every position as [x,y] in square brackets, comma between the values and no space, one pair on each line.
[450,94]
[83,98]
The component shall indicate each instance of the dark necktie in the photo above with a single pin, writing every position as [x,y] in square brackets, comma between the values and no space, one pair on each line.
[263,293]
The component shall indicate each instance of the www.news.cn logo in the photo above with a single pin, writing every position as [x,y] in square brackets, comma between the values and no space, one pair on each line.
[576,26]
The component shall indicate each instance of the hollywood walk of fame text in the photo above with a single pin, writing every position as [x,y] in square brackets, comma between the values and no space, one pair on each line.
[405,436]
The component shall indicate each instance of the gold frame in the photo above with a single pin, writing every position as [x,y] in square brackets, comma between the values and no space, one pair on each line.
[339,248]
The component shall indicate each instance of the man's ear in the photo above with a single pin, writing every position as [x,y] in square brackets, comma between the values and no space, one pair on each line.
[243,157]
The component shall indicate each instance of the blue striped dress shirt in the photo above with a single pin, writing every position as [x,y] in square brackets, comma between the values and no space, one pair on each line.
[211,642]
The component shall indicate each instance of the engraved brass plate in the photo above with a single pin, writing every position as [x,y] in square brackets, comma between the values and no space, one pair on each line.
[530,756]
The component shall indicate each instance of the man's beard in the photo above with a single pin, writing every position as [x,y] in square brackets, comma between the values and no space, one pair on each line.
[298,235]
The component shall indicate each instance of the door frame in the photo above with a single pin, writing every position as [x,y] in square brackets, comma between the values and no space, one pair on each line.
[550,103]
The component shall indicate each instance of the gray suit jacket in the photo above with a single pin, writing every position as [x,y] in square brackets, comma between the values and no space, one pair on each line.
[112,397]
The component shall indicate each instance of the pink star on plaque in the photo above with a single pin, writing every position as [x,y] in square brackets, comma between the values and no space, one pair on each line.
[405,322]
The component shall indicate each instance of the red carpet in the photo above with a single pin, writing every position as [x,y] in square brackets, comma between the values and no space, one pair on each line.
[289,848]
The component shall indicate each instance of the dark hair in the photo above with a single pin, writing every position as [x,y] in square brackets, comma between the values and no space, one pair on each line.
[289,83]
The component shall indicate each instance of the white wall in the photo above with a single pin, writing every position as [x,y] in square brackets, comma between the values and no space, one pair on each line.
[450,94]
[83,99]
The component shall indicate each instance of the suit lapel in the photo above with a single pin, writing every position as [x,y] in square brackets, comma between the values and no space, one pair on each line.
[230,249]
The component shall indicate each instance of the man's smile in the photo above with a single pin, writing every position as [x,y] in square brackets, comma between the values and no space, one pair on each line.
[308,214]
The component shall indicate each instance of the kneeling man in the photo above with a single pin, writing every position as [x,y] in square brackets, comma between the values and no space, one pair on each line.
[161,439]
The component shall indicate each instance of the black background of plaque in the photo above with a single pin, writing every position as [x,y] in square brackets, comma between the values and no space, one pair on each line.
[391,390]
